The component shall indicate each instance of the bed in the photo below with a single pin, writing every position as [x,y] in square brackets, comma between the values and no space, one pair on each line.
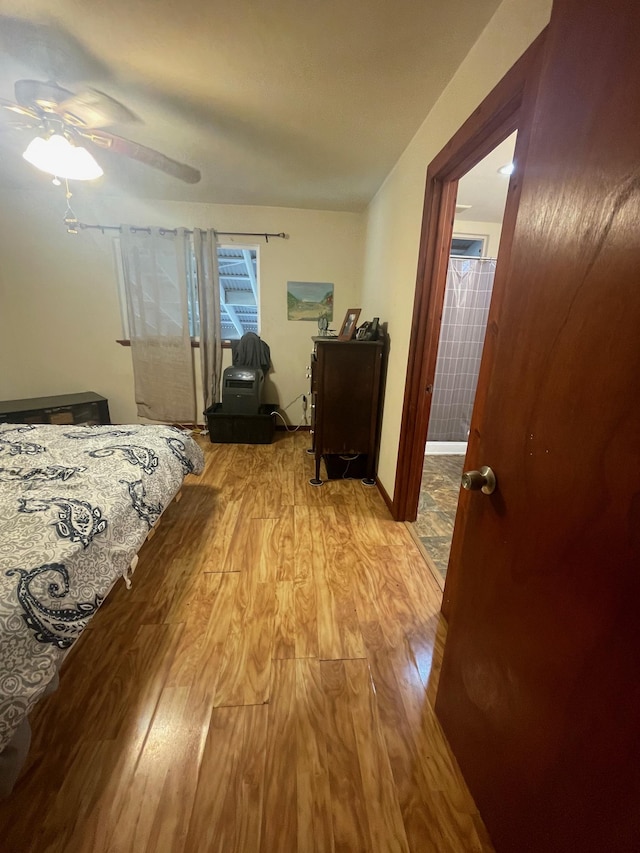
[76,505]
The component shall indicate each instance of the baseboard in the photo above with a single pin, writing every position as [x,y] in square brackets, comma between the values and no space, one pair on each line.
[445,448]
[301,428]
[386,498]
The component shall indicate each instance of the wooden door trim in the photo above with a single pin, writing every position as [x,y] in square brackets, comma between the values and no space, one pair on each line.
[493,121]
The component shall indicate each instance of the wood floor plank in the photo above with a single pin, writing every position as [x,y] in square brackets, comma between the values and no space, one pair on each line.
[306,619]
[193,642]
[284,635]
[302,470]
[246,662]
[173,594]
[349,816]
[271,482]
[427,648]
[207,661]
[370,505]
[114,758]
[339,634]
[371,520]
[416,804]
[135,687]
[280,812]
[381,594]
[276,562]
[416,741]
[141,806]
[220,537]
[302,542]
[315,825]
[281,546]
[227,812]
[281,470]
[168,832]
[245,555]
[85,784]
[417,575]
[337,624]
[306,609]
[380,796]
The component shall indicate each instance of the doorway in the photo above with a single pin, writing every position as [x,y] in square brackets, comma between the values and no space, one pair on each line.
[496,118]
[480,204]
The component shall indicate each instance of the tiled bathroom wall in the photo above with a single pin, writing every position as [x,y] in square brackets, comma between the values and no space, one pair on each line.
[464,322]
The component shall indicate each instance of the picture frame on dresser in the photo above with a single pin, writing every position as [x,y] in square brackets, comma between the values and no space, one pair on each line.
[349,324]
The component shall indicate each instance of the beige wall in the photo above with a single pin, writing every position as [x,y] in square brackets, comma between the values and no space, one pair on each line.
[59,297]
[394,216]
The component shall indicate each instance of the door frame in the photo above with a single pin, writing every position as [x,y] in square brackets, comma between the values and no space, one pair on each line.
[498,116]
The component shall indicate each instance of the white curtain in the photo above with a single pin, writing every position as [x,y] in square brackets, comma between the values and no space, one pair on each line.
[156,264]
[205,246]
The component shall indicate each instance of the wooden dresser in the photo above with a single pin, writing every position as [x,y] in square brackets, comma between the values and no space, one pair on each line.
[346,381]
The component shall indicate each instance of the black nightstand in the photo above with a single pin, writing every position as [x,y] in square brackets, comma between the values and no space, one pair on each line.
[87,408]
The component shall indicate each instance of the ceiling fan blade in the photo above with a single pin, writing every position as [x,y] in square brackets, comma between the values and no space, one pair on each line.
[91,108]
[19,109]
[34,94]
[148,156]
[19,125]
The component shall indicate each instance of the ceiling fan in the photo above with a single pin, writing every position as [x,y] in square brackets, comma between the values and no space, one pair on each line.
[74,122]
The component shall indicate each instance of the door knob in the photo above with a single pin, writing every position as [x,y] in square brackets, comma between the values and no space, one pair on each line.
[483,480]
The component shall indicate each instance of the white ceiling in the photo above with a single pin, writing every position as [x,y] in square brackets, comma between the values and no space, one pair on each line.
[303,103]
[484,188]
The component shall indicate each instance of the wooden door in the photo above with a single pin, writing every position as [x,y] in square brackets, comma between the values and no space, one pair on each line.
[540,686]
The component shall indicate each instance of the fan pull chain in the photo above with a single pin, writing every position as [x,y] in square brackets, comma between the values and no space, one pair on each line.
[70,219]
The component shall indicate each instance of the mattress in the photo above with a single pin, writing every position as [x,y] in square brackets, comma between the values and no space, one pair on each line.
[76,504]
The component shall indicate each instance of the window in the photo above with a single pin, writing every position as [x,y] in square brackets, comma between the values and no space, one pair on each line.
[468,245]
[239,291]
[238,271]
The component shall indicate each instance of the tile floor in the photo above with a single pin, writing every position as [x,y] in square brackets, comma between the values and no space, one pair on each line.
[437,507]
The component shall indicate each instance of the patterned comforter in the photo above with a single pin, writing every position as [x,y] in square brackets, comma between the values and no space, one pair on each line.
[76,504]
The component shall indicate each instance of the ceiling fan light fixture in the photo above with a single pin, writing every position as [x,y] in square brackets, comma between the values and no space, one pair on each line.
[59,157]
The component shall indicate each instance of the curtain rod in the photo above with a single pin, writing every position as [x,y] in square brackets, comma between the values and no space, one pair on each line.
[84,226]
[472,258]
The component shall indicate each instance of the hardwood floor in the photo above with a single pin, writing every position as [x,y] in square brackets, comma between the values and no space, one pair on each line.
[266,686]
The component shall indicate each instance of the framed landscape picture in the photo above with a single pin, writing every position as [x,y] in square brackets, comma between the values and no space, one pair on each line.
[309,300]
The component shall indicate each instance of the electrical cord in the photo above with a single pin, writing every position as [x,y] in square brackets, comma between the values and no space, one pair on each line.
[348,460]
[288,406]
[288,428]
[292,402]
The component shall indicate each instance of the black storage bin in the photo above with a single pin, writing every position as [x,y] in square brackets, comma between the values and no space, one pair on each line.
[233,428]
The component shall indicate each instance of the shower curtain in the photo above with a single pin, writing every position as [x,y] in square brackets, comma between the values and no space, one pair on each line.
[464,322]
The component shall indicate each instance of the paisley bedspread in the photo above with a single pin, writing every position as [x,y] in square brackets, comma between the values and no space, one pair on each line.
[76,504]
